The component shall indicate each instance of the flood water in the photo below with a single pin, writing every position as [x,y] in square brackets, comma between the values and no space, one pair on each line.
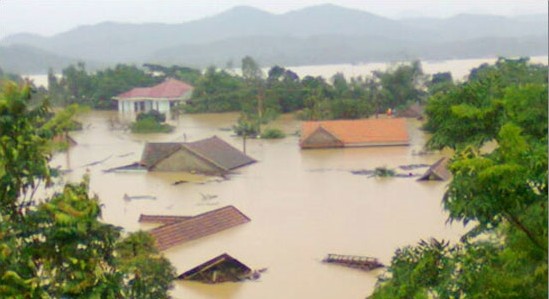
[302,204]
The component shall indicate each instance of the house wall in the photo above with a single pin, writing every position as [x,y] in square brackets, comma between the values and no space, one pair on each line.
[184,160]
[320,139]
[163,106]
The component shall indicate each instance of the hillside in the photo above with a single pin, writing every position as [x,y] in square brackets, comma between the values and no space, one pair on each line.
[315,35]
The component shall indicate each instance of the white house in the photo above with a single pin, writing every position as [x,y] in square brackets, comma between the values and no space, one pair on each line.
[161,97]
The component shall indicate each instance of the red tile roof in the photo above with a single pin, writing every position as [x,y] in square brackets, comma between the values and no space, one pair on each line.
[170,89]
[382,131]
[197,227]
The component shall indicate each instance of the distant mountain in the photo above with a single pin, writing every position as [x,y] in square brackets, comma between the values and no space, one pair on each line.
[22,59]
[318,34]
[469,26]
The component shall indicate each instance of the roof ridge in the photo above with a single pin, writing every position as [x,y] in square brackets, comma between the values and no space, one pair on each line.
[189,148]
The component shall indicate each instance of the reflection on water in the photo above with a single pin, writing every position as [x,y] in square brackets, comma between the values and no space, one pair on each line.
[303,205]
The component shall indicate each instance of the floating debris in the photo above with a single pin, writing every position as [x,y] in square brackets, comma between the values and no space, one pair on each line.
[97,162]
[208,196]
[422,153]
[383,172]
[352,261]
[406,175]
[363,172]
[413,166]
[125,155]
[179,182]
[128,197]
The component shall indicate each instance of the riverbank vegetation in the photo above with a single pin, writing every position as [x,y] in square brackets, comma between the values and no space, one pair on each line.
[279,91]
[500,194]
[57,247]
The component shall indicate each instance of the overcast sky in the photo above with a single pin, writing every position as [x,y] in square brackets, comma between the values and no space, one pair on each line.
[48,17]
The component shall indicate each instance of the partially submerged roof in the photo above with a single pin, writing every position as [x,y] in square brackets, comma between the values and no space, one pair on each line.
[169,89]
[363,132]
[438,171]
[220,152]
[219,269]
[156,152]
[213,150]
[197,227]
[163,219]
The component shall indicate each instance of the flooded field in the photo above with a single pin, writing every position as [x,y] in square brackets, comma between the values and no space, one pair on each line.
[302,204]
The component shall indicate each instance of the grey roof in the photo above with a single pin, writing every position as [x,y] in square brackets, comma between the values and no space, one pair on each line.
[232,269]
[213,150]
[220,153]
[156,152]
[437,171]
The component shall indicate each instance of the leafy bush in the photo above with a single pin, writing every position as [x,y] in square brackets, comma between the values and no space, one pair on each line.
[384,172]
[149,125]
[153,114]
[273,134]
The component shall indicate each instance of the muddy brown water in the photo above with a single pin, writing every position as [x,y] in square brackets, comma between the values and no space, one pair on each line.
[303,205]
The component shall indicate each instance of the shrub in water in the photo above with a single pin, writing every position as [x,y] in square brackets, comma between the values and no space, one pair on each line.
[273,134]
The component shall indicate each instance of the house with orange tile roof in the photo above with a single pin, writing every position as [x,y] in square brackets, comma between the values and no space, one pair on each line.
[161,97]
[354,133]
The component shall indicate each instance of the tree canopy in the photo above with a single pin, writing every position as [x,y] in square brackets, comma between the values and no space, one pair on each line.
[496,122]
[56,247]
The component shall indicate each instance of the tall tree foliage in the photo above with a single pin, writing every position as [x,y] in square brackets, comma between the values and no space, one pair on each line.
[57,247]
[499,189]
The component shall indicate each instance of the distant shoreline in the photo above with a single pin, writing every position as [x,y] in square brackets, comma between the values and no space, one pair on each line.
[458,67]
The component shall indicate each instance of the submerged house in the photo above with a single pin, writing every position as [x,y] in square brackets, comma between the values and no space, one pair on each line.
[353,261]
[437,172]
[211,156]
[222,268]
[354,133]
[179,232]
[161,97]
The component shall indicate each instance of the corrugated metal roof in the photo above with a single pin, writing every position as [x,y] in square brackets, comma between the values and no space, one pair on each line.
[220,153]
[360,132]
[169,89]
[197,227]
[438,171]
[164,219]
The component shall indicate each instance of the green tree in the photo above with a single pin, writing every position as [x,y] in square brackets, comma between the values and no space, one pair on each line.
[148,274]
[501,190]
[54,247]
[401,85]
[216,91]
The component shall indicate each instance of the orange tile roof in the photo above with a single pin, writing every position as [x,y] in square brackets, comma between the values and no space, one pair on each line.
[363,131]
[199,226]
